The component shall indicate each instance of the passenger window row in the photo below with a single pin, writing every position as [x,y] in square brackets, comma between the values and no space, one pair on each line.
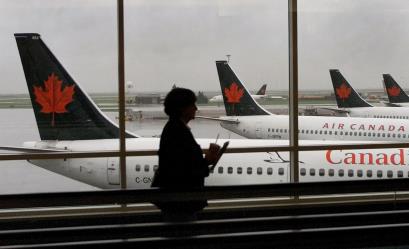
[396,117]
[303,171]
[342,133]
[220,170]
[351,173]
[146,168]
[248,170]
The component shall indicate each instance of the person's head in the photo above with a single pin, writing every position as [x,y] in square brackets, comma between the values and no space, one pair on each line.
[180,103]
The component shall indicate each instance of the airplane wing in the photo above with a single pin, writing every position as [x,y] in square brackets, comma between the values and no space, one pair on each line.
[222,119]
[29,150]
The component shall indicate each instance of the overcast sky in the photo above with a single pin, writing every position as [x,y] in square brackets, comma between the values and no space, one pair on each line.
[177,42]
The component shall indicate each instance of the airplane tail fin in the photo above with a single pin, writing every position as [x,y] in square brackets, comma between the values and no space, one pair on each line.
[262,90]
[345,95]
[394,91]
[63,111]
[237,99]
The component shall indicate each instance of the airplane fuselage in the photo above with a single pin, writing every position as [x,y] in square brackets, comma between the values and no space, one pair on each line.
[320,128]
[232,169]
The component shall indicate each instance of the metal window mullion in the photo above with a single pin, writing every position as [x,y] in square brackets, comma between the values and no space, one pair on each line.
[121,92]
[293,88]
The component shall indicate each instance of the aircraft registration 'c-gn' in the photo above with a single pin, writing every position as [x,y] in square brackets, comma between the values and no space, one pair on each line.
[247,118]
[68,120]
[397,97]
[349,101]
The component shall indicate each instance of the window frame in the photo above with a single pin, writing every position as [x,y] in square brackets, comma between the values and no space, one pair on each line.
[294,148]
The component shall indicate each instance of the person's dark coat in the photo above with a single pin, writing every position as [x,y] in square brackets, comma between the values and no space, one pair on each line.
[181,165]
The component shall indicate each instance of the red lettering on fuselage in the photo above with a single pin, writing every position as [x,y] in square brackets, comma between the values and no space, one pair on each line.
[367,158]
[364,127]
[330,159]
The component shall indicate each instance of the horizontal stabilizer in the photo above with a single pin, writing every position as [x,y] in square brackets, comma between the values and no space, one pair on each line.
[233,121]
[342,111]
[389,104]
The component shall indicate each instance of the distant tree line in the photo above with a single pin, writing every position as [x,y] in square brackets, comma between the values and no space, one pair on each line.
[201,98]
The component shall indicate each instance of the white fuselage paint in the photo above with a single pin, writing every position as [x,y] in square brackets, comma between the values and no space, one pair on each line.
[378,112]
[319,128]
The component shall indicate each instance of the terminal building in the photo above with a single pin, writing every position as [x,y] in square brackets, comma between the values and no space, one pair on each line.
[146,99]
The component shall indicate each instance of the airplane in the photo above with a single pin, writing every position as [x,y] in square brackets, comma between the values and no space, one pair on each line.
[350,102]
[396,95]
[68,120]
[248,119]
[261,94]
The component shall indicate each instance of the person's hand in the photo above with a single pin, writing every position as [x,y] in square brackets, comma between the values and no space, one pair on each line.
[213,153]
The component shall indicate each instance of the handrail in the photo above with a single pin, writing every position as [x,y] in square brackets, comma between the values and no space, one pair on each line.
[131,196]
[244,149]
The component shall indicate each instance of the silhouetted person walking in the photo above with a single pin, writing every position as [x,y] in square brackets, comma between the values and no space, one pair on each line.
[181,162]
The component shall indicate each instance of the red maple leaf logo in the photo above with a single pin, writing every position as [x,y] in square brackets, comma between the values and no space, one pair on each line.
[52,99]
[393,91]
[343,91]
[233,94]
